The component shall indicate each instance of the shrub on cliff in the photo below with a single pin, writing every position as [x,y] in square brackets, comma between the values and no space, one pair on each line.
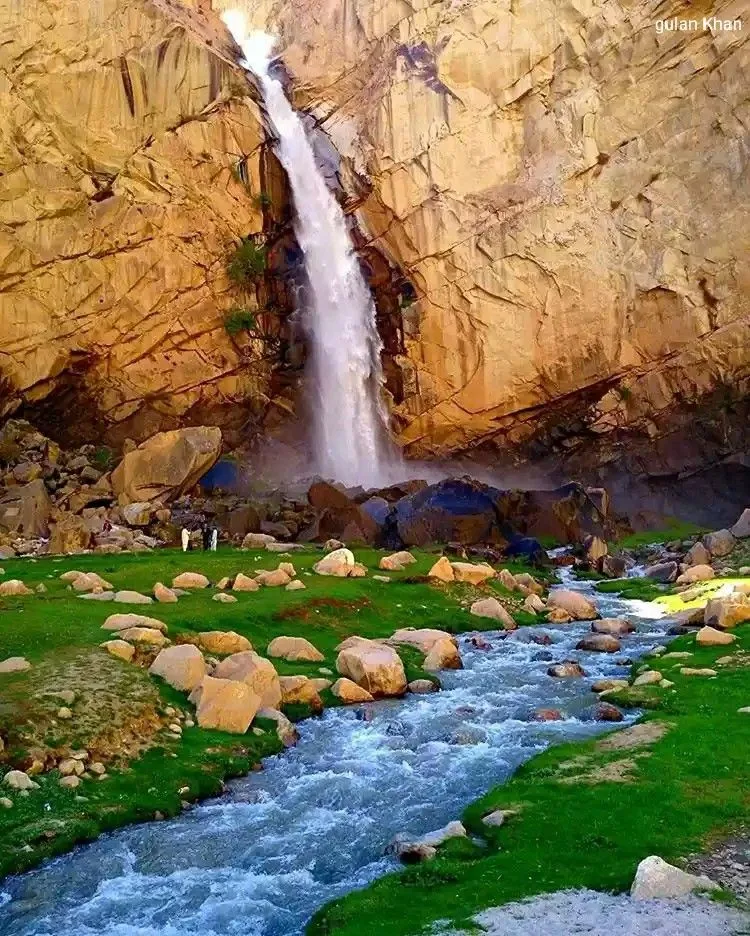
[247,262]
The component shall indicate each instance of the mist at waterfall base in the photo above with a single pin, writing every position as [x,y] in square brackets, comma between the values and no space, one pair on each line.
[348,429]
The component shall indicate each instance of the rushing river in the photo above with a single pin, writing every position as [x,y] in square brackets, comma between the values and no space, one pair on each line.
[315,823]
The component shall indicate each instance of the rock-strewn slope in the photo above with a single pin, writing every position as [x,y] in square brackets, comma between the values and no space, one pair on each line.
[568,192]
[123,121]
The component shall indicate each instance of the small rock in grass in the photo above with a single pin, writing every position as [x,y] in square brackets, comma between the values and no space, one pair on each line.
[425,848]
[666,684]
[126,596]
[183,666]
[649,678]
[14,665]
[223,642]
[224,598]
[678,655]
[491,608]
[244,583]
[422,686]
[294,649]
[533,604]
[70,783]
[697,671]
[285,730]
[710,637]
[655,879]
[97,768]
[190,580]
[325,671]
[120,649]
[381,578]
[163,594]
[604,685]
[99,596]
[274,579]
[396,562]
[175,728]
[472,573]
[121,622]
[6,802]
[14,588]
[64,712]
[745,710]
[146,635]
[18,780]
[442,571]
[299,689]
[349,692]
[295,585]
[498,817]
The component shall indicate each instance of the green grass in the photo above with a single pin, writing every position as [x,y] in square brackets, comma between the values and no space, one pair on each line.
[60,633]
[694,786]
[247,262]
[674,530]
[637,589]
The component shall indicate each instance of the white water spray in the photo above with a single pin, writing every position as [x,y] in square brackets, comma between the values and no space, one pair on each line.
[349,422]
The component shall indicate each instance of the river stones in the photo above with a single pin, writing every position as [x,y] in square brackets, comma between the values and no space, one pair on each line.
[440,647]
[493,609]
[294,649]
[300,689]
[605,685]
[442,570]
[547,715]
[190,580]
[183,666]
[422,686]
[471,573]
[617,627]
[373,666]
[225,704]
[396,562]
[533,604]
[572,603]
[568,669]
[285,730]
[655,879]
[256,672]
[599,643]
[223,643]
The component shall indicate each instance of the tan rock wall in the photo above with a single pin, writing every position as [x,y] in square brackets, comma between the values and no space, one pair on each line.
[122,123]
[567,189]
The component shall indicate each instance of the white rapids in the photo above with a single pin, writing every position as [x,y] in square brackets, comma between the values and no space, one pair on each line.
[315,823]
[349,423]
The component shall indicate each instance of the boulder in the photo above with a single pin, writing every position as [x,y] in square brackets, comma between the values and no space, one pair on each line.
[396,562]
[26,510]
[442,570]
[14,588]
[533,604]
[126,596]
[301,690]
[507,579]
[741,529]
[455,510]
[655,879]
[339,516]
[273,579]
[224,598]
[18,780]
[422,686]
[664,572]
[222,643]
[349,692]
[558,616]
[595,549]
[473,574]
[120,649]
[726,613]
[547,714]
[256,672]
[88,581]
[190,580]
[443,655]
[69,534]
[183,666]
[699,573]
[491,608]
[120,622]
[439,647]
[528,582]
[244,583]
[294,649]
[614,566]
[137,514]
[710,637]
[338,563]
[573,603]
[618,627]
[599,643]
[225,704]
[719,543]
[649,678]
[568,669]
[166,465]
[697,555]
[145,635]
[14,665]
[373,666]
[606,712]
[163,594]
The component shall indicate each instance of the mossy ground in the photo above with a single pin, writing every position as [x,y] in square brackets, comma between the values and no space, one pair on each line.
[684,791]
[120,710]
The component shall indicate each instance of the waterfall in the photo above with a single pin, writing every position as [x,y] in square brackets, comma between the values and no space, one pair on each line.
[349,429]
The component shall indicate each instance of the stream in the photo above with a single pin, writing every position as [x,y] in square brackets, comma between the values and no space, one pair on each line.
[315,823]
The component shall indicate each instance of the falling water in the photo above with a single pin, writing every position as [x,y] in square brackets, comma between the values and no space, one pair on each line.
[349,422]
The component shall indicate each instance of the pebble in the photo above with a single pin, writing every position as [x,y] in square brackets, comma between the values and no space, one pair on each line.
[70,783]
[692,671]
[7,803]
[64,712]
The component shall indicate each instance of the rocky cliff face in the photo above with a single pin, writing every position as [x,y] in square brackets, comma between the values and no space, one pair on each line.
[131,160]
[568,192]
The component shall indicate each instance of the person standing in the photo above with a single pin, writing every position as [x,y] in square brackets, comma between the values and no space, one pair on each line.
[185,535]
[214,539]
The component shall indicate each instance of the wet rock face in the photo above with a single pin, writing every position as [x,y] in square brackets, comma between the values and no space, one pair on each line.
[578,291]
[125,122]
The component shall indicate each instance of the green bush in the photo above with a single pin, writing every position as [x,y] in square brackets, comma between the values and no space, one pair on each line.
[263,200]
[248,262]
[238,320]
